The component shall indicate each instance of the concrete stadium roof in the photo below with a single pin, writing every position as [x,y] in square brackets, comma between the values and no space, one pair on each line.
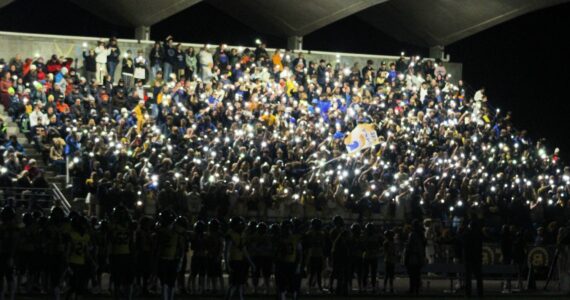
[442,22]
[5,2]
[134,12]
[291,17]
[418,22]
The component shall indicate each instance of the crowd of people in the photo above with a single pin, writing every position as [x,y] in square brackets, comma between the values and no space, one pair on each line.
[58,254]
[220,132]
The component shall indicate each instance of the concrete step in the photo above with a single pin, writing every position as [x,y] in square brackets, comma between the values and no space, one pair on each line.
[12,129]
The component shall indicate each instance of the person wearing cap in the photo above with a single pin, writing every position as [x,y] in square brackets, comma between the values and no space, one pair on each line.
[60,79]
[61,106]
[32,74]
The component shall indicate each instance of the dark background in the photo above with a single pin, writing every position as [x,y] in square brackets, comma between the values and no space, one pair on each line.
[523,63]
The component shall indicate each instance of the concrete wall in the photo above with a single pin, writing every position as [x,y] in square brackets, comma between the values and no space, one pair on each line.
[34,45]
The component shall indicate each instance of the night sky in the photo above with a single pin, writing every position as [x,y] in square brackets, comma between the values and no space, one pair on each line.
[523,63]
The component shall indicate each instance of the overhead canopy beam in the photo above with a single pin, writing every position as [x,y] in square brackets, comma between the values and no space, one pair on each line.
[5,2]
[135,13]
[291,17]
[442,22]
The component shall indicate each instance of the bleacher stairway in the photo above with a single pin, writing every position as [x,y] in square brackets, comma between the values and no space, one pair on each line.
[31,151]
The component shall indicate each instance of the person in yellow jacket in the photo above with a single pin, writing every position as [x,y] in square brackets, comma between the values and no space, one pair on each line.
[78,257]
[139,111]
[236,257]
[276,59]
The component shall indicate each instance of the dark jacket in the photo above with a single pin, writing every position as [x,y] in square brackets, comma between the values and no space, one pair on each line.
[156,56]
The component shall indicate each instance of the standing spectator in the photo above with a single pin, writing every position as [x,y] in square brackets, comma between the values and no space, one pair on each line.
[179,63]
[261,53]
[191,63]
[322,73]
[113,58]
[101,53]
[89,64]
[206,62]
[276,59]
[439,68]
[169,56]
[128,70]
[141,70]
[402,64]
[156,58]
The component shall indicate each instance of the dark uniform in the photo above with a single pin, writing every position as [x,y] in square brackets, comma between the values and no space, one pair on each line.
[8,245]
[144,258]
[372,243]
[26,247]
[262,254]
[121,258]
[215,245]
[169,250]
[237,260]
[56,241]
[287,265]
[340,251]
[356,255]
[78,256]
[315,242]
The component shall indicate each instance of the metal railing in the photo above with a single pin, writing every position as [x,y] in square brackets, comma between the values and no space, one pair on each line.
[60,199]
[34,198]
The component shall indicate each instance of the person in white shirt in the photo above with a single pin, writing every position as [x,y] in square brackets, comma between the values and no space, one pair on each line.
[101,53]
[479,95]
[206,61]
[37,117]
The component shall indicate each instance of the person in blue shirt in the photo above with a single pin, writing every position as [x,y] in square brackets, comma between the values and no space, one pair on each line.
[14,144]
[392,74]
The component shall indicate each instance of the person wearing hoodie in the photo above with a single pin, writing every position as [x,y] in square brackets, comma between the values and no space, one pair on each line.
[156,58]
[60,79]
[169,56]
[89,64]
[113,57]
[128,70]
